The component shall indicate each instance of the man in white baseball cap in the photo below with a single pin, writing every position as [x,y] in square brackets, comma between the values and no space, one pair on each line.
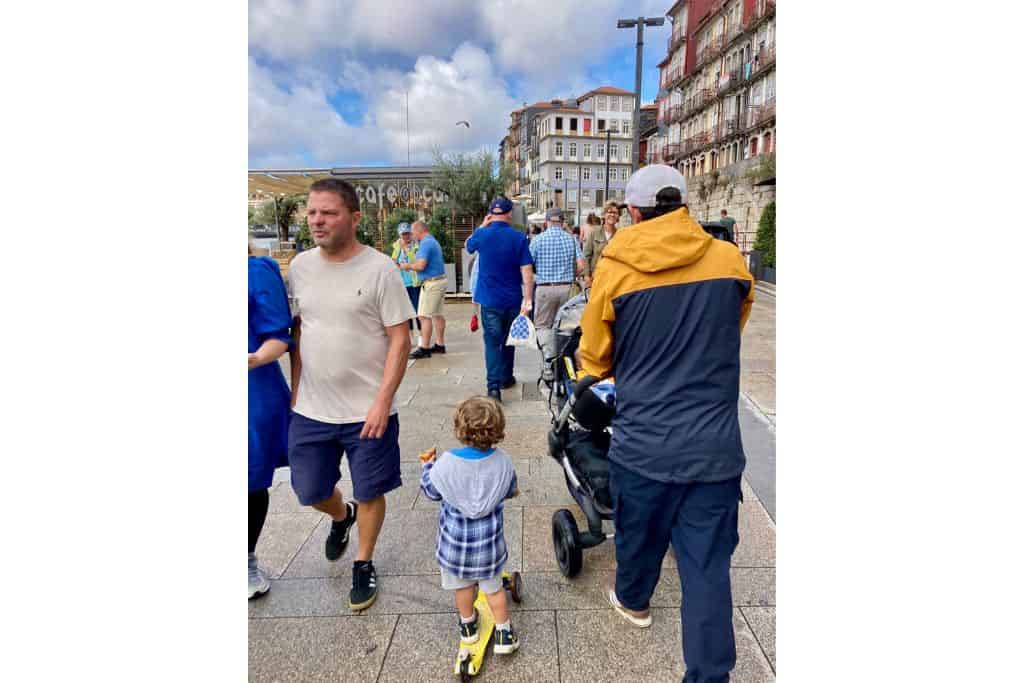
[664,318]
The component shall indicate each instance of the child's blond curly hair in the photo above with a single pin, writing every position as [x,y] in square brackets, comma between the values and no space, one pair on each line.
[479,422]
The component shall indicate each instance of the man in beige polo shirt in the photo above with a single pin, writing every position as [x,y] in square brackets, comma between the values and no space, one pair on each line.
[351,345]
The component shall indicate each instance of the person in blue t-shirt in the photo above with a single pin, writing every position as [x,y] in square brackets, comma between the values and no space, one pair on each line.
[504,289]
[433,283]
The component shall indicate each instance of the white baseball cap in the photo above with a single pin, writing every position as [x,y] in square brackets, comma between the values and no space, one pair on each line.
[644,185]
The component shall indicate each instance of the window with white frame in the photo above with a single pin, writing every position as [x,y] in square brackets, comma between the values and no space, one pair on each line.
[572,195]
[586,196]
[572,173]
[600,151]
[625,152]
[613,152]
[613,125]
[625,174]
[613,174]
[558,149]
[627,104]
[558,172]
[586,173]
[600,173]
[602,103]
[586,150]
[572,150]
[614,101]
[625,127]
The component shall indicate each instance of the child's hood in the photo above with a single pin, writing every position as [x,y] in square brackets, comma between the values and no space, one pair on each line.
[474,486]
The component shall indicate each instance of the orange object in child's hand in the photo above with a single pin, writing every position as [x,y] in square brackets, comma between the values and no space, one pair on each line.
[428,455]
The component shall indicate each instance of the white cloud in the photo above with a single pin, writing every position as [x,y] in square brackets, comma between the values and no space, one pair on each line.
[283,124]
[284,29]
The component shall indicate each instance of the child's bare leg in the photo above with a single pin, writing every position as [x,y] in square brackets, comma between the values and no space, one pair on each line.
[499,608]
[464,598]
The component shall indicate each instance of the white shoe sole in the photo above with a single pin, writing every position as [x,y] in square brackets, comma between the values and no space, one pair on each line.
[471,641]
[505,649]
[614,602]
[260,591]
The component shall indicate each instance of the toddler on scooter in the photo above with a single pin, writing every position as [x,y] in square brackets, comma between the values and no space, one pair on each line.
[472,484]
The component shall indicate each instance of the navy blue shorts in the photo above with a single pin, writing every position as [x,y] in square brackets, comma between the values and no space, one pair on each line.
[314,455]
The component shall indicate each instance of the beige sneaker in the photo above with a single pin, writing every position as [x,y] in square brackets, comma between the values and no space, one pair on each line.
[641,618]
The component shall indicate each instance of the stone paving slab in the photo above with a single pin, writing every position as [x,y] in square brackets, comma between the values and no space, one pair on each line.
[282,537]
[318,649]
[425,645]
[762,623]
[600,647]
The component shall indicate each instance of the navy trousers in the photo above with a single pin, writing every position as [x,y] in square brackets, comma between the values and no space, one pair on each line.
[499,357]
[701,522]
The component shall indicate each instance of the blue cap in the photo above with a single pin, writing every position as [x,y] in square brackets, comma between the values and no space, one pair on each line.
[500,205]
[404,228]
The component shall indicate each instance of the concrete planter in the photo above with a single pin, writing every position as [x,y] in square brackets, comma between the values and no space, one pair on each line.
[449,271]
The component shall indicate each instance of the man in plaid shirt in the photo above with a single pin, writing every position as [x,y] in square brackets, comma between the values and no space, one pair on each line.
[558,259]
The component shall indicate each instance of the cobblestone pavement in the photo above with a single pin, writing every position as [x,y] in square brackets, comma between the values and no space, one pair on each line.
[303,630]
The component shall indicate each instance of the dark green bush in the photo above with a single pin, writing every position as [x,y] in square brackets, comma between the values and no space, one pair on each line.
[765,240]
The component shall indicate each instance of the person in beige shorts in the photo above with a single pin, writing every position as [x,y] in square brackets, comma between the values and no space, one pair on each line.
[430,266]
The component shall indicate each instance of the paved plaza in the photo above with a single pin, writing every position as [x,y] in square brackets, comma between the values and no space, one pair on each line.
[303,630]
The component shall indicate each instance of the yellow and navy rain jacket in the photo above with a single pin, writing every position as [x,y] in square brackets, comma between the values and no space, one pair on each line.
[664,317]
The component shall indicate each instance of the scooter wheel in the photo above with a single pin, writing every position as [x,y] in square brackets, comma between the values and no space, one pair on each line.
[515,588]
[464,672]
[566,538]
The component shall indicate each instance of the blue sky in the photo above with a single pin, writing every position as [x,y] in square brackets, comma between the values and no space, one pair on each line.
[328,80]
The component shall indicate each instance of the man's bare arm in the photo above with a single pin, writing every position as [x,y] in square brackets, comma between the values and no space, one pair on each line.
[294,360]
[399,346]
[527,272]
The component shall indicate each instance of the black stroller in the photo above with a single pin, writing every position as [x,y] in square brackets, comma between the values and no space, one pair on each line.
[582,409]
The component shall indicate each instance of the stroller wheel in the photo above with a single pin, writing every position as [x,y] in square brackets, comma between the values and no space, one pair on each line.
[566,537]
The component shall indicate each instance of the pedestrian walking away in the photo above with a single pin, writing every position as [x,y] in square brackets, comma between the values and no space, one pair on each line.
[404,251]
[557,258]
[729,223]
[352,343]
[433,283]
[504,289]
[664,317]
[269,337]
[598,239]
[472,483]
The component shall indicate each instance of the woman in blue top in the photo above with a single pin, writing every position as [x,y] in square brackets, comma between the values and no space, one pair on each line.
[269,398]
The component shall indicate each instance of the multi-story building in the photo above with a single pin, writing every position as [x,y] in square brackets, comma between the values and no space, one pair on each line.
[567,152]
[717,101]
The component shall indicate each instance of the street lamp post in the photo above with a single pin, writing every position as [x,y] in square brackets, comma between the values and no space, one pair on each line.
[639,23]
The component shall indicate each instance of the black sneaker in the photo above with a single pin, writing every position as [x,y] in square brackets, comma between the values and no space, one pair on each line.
[470,632]
[337,540]
[505,641]
[437,348]
[420,352]
[509,384]
[495,394]
[364,586]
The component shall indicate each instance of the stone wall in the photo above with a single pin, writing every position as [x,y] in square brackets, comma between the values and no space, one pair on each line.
[734,192]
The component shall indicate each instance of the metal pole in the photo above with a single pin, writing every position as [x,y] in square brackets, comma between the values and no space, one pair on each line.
[634,153]
[607,160]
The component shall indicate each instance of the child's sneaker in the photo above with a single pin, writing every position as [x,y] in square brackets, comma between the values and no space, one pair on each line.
[470,631]
[505,641]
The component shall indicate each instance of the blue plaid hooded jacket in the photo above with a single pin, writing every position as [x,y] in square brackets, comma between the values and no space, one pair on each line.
[472,486]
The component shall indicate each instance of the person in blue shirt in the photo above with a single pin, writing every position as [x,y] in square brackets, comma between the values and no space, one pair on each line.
[504,289]
[269,398]
[433,283]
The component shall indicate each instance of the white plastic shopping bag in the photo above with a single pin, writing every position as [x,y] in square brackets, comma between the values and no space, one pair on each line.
[522,333]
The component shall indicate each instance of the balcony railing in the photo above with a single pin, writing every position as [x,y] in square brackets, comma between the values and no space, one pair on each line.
[762,113]
[670,151]
[675,112]
[672,77]
[764,58]
[675,40]
[762,11]
[710,51]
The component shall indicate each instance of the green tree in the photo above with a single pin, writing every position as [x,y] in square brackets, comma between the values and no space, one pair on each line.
[281,211]
[366,231]
[252,217]
[441,228]
[471,181]
[765,240]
